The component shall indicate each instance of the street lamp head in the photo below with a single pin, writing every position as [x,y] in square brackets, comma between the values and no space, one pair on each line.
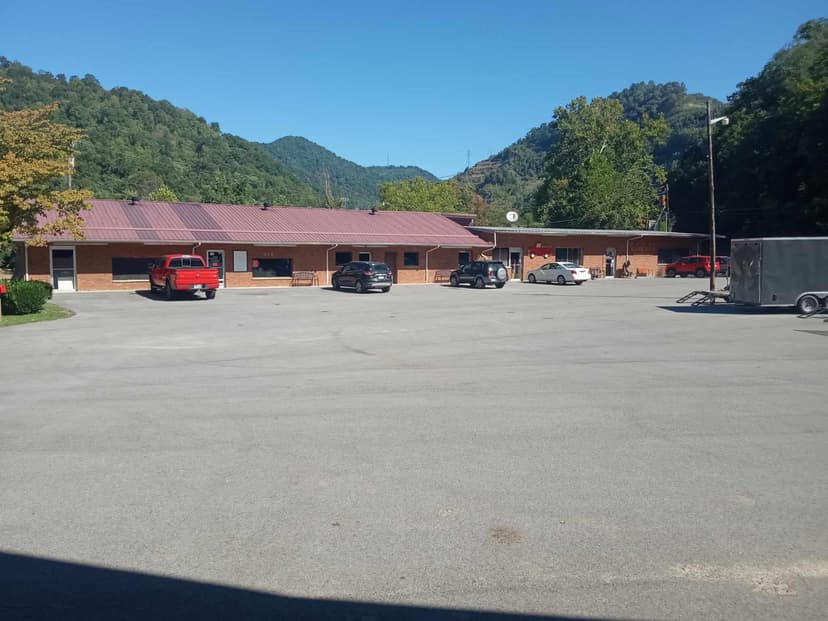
[720,119]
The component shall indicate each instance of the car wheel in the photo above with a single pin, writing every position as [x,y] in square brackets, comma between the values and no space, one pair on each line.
[453,281]
[561,280]
[579,282]
[479,283]
[683,275]
[807,304]
[360,288]
[532,279]
[210,294]
[671,273]
[700,273]
[386,289]
[335,284]
[168,290]
[500,285]
[153,288]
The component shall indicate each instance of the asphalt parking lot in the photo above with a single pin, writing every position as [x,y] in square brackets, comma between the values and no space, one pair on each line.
[595,451]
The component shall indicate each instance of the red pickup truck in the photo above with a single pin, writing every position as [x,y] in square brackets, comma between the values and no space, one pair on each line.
[183,272]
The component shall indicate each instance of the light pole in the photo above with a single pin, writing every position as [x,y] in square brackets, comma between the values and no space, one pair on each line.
[710,123]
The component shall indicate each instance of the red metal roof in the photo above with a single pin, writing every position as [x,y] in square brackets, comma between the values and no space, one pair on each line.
[153,221]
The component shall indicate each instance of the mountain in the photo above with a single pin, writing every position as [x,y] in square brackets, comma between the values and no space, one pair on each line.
[509,179]
[136,145]
[358,184]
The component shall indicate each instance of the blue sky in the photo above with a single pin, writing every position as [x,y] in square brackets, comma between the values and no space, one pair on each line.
[423,83]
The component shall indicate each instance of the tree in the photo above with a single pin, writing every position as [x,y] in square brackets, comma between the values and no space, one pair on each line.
[600,173]
[163,193]
[772,160]
[34,154]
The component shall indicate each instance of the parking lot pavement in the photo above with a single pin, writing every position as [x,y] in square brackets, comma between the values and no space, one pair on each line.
[596,451]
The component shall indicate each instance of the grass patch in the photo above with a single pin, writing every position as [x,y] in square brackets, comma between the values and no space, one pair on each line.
[49,313]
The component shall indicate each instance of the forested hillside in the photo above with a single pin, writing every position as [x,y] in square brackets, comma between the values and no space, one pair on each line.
[771,161]
[316,166]
[135,145]
[510,179]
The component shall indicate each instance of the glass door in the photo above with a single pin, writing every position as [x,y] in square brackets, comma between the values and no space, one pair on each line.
[215,258]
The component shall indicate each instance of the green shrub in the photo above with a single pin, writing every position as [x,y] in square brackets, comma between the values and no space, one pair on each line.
[47,288]
[23,297]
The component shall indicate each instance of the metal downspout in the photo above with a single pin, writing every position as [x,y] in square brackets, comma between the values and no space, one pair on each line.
[26,259]
[426,266]
[327,263]
[628,245]
[494,245]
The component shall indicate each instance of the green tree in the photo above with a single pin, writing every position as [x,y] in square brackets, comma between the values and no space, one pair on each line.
[771,162]
[35,153]
[600,172]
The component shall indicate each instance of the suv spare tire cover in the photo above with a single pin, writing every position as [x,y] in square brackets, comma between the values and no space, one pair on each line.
[501,273]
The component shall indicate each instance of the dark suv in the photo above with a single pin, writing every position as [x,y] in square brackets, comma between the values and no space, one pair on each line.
[363,275]
[479,274]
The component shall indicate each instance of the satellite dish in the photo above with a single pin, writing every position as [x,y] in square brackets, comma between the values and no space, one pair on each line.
[512,216]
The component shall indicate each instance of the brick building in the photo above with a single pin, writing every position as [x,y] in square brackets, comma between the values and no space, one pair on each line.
[252,245]
[255,245]
[603,251]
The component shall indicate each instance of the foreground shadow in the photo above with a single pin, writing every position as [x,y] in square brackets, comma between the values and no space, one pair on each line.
[37,588]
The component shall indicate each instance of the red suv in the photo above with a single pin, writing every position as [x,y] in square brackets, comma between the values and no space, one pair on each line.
[697,265]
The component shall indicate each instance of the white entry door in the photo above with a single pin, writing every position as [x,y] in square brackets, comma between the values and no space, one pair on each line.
[62,259]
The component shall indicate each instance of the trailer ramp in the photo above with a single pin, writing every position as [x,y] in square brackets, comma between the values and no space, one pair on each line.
[698,298]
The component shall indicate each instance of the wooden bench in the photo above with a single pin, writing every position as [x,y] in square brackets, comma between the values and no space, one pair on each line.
[596,272]
[641,272]
[304,278]
[442,275]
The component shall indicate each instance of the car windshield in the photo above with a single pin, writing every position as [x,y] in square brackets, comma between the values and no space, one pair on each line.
[571,266]
[378,267]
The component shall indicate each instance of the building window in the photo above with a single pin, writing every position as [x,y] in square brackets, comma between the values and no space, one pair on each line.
[343,257]
[501,254]
[131,268]
[411,259]
[569,255]
[364,256]
[463,258]
[668,255]
[272,268]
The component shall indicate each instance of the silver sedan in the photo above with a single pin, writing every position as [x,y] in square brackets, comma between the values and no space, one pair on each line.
[560,273]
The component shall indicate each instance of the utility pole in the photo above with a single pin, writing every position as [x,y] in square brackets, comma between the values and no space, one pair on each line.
[710,123]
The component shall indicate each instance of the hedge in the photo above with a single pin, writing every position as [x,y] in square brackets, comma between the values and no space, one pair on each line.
[23,297]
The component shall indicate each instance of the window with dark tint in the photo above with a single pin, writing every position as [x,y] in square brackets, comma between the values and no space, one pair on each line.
[570,255]
[175,263]
[192,262]
[344,257]
[131,268]
[669,255]
[411,259]
[364,256]
[380,267]
[272,268]
[463,258]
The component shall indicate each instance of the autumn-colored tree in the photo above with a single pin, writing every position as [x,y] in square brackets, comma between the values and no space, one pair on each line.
[34,154]
[163,193]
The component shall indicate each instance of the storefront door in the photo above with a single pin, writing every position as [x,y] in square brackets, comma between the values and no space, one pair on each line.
[63,268]
[515,263]
[215,258]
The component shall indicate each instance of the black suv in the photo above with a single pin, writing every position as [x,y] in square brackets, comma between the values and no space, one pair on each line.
[363,275]
[479,274]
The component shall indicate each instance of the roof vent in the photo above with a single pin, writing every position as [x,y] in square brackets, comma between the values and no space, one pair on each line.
[133,200]
[265,206]
[373,211]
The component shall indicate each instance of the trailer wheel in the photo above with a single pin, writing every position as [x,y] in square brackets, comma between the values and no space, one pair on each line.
[808,304]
